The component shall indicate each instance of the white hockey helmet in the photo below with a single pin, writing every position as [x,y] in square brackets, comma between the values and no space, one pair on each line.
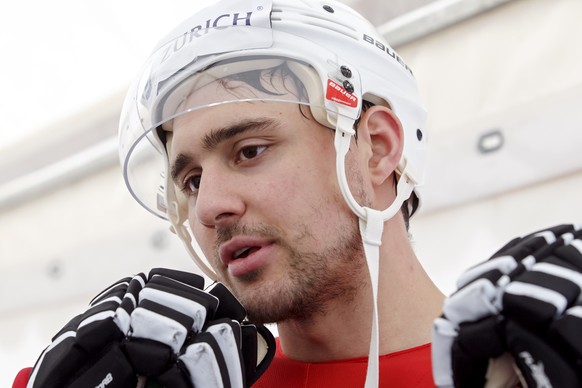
[334,60]
[335,55]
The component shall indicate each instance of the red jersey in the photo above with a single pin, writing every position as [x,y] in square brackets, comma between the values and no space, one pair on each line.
[406,368]
[22,378]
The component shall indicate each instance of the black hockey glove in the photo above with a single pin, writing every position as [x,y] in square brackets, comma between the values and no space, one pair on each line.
[516,317]
[158,331]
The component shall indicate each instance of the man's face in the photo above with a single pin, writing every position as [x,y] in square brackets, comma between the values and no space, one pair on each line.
[265,206]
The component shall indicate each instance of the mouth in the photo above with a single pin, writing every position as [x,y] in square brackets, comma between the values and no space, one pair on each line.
[243,254]
[240,247]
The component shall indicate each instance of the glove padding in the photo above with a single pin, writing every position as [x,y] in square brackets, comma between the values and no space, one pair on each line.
[161,330]
[516,317]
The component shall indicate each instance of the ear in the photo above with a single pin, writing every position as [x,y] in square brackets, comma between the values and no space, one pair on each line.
[382,129]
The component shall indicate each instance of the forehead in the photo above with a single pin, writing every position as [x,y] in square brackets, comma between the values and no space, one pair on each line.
[202,130]
[199,123]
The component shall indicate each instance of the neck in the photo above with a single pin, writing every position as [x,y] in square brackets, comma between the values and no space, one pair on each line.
[408,302]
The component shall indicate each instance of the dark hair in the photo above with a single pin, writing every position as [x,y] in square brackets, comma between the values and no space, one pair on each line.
[261,79]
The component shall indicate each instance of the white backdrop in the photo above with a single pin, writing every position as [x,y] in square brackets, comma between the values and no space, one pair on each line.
[60,249]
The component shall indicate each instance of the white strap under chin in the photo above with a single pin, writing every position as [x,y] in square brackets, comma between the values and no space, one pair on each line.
[371,228]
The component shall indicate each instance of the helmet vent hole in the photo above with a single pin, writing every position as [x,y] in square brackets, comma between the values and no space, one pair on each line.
[419,134]
[348,86]
[328,8]
[490,141]
[346,72]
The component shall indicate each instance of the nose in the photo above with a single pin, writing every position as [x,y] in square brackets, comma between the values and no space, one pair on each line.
[218,201]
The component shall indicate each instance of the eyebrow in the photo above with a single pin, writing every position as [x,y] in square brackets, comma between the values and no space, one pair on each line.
[219,135]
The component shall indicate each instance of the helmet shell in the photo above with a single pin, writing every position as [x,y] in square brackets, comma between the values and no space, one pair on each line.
[347,61]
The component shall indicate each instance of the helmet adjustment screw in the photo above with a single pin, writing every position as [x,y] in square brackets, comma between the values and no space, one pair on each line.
[346,72]
[419,134]
[328,8]
[348,86]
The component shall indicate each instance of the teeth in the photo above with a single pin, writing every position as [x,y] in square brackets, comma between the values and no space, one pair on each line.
[240,252]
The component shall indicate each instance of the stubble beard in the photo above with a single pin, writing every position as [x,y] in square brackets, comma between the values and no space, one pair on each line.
[312,279]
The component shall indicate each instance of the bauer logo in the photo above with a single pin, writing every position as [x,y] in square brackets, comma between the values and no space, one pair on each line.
[386,49]
[337,93]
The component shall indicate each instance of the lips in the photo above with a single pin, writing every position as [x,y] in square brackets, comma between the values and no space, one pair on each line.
[240,247]
[245,255]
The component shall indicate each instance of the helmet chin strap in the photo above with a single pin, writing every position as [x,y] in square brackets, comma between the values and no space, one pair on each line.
[371,228]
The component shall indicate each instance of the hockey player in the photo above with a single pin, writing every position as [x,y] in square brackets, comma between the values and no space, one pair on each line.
[284,142]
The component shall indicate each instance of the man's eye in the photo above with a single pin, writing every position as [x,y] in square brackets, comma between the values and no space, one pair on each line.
[192,184]
[251,152]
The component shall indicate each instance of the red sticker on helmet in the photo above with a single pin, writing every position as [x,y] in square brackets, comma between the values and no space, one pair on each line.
[337,93]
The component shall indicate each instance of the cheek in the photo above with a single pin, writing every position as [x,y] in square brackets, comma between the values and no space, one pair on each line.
[308,195]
